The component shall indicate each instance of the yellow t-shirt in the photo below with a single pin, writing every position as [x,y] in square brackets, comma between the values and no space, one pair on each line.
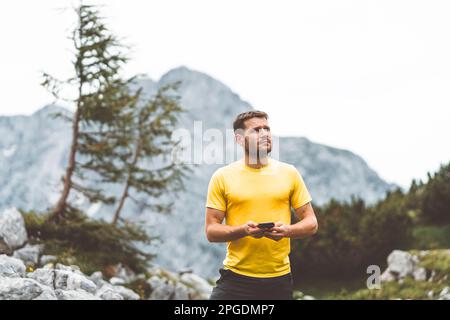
[260,195]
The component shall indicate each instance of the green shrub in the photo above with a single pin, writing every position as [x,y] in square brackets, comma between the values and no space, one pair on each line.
[351,237]
[431,237]
[436,197]
[91,244]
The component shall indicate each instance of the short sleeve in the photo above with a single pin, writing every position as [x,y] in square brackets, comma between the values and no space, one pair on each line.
[299,194]
[216,194]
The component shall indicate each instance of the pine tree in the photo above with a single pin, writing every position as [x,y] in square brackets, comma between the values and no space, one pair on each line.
[436,196]
[112,134]
[101,96]
[152,130]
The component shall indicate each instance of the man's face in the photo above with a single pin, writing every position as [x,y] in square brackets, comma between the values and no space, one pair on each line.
[257,138]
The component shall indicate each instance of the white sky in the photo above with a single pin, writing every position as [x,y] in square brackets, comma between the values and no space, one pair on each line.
[372,77]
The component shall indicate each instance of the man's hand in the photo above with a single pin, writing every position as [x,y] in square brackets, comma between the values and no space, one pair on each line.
[278,232]
[251,229]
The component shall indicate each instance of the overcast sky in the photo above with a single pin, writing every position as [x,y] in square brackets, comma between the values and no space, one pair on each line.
[372,77]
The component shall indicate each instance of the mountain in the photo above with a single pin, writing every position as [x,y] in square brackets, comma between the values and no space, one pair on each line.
[33,155]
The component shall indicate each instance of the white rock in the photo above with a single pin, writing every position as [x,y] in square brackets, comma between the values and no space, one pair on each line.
[430,294]
[196,282]
[387,276]
[44,276]
[444,292]
[402,263]
[75,295]
[298,295]
[72,268]
[108,293]
[116,281]
[11,267]
[29,254]
[181,292]
[165,291]
[155,282]
[126,293]
[22,289]
[47,294]
[12,229]
[46,259]
[308,298]
[67,280]
[97,278]
[420,274]
[445,297]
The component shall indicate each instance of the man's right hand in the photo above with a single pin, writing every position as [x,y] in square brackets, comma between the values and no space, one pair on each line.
[252,230]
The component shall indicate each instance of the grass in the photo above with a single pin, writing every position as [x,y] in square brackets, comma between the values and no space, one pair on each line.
[436,260]
[430,237]
[408,289]
[323,288]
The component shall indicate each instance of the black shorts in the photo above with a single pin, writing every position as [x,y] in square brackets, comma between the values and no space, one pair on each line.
[233,286]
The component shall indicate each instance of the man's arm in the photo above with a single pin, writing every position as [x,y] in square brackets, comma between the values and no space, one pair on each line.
[307,226]
[218,232]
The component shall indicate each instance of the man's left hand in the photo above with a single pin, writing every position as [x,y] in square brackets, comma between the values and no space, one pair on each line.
[278,232]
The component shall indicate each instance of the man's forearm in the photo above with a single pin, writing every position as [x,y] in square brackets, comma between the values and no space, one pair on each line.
[224,233]
[303,229]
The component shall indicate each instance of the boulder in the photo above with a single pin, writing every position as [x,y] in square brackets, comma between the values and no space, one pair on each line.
[387,276]
[116,281]
[181,292]
[11,267]
[24,289]
[29,254]
[67,280]
[420,274]
[155,282]
[108,293]
[13,234]
[47,294]
[75,295]
[444,292]
[197,283]
[71,268]
[402,263]
[46,259]
[164,291]
[97,278]
[44,276]
[126,293]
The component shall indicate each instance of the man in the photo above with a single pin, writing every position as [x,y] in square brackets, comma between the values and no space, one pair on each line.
[253,190]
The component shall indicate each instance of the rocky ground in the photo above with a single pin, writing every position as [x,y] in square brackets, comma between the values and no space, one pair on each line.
[410,275]
[26,274]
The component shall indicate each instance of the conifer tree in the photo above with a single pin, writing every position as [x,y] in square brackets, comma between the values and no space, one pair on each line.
[112,132]
[152,129]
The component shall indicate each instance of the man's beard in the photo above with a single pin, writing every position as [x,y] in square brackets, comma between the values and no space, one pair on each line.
[254,150]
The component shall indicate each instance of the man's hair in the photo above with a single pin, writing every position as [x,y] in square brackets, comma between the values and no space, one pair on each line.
[242,117]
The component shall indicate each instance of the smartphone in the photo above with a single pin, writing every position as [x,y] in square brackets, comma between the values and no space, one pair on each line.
[266,225]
